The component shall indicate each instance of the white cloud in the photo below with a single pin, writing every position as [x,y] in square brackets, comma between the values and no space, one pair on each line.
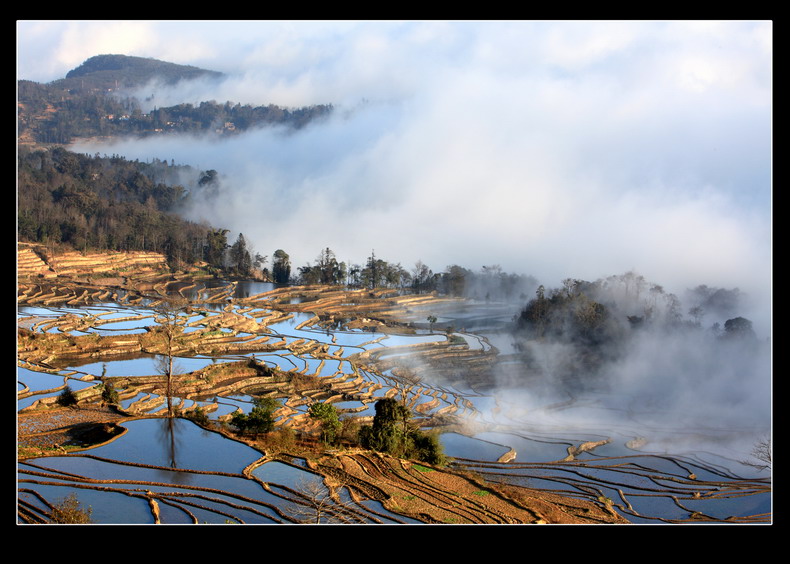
[552,148]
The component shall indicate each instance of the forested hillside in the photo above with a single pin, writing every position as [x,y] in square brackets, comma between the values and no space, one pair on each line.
[110,203]
[94,100]
[111,71]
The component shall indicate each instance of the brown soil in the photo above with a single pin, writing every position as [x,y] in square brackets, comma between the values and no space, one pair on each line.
[438,495]
[64,429]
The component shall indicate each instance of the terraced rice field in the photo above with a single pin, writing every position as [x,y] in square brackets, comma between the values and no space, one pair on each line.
[302,345]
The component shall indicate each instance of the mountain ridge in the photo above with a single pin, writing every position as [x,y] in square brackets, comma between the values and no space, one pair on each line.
[106,71]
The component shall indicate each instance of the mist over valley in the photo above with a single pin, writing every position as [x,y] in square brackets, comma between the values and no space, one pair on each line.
[597,194]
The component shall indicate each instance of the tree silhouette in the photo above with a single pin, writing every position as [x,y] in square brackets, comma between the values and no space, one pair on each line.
[281,267]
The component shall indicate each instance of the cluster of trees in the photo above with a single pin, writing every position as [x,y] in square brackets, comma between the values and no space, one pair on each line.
[567,313]
[376,273]
[392,430]
[227,118]
[259,420]
[103,203]
[327,270]
[244,262]
[75,115]
[599,311]
[90,101]
[595,320]
[93,203]
[489,283]
[393,433]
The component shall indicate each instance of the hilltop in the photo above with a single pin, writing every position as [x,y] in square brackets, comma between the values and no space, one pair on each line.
[112,71]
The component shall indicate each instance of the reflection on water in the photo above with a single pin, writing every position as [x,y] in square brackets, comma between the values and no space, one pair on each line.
[145,365]
[192,476]
[250,288]
[461,446]
[286,475]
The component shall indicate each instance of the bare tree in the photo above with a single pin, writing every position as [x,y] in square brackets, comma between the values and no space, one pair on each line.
[169,316]
[321,504]
[762,454]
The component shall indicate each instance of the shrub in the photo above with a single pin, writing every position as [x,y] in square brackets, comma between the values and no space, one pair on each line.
[283,439]
[349,429]
[67,397]
[109,393]
[259,420]
[70,511]
[425,447]
[387,434]
[198,415]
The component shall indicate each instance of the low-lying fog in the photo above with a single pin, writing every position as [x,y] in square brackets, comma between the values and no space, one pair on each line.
[556,149]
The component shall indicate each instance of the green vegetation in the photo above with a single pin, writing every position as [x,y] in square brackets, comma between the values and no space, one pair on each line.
[198,415]
[104,71]
[240,258]
[108,393]
[107,203]
[391,433]
[95,203]
[595,322]
[431,321]
[738,327]
[568,312]
[281,267]
[457,281]
[259,420]
[326,270]
[326,413]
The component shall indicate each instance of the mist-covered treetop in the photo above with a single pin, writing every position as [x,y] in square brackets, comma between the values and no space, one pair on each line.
[599,310]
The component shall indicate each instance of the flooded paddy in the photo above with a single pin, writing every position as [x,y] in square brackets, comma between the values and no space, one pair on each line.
[174,471]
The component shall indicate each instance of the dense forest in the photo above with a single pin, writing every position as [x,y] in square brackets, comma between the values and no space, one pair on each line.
[49,115]
[110,203]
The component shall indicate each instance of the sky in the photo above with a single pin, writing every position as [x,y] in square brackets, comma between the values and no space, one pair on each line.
[552,148]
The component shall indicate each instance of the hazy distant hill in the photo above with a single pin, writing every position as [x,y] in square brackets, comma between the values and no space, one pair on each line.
[114,71]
